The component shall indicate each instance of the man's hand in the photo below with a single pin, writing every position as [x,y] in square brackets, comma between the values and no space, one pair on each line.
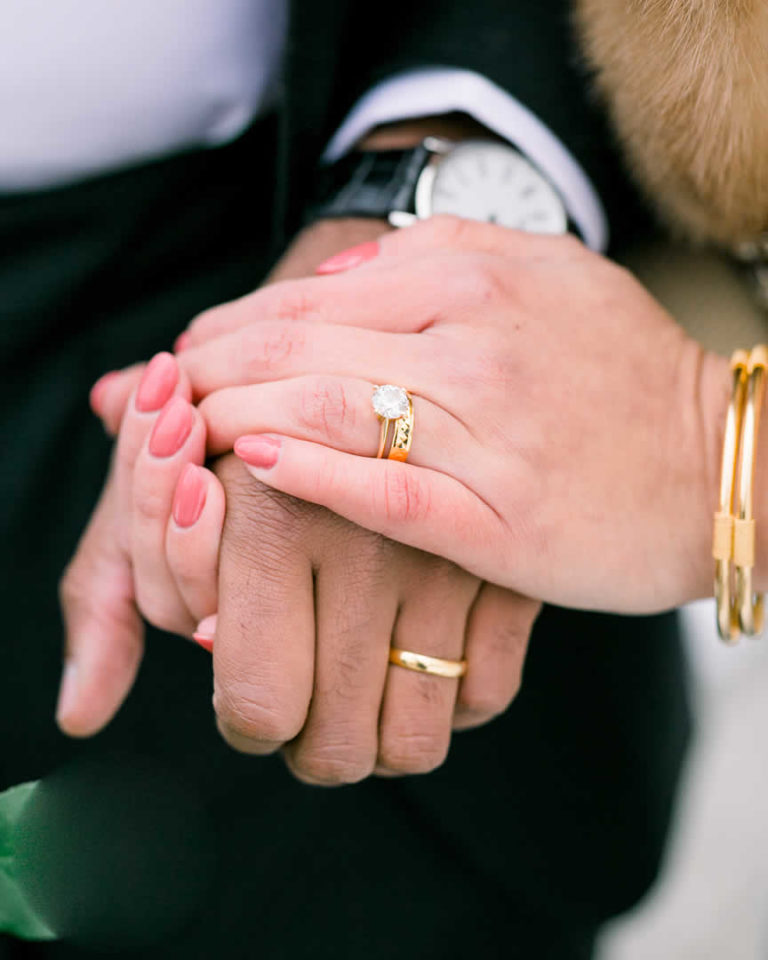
[309,606]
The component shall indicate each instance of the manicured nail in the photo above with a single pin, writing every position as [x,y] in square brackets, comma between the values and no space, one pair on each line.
[205,633]
[158,383]
[189,499]
[172,428]
[98,390]
[182,342]
[259,451]
[68,689]
[350,258]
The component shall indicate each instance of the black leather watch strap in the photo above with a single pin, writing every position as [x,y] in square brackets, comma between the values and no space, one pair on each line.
[370,184]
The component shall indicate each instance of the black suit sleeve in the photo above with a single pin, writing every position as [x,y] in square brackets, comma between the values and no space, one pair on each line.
[527,47]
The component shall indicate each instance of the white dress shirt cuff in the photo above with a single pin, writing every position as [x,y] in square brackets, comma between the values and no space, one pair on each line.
[438,90]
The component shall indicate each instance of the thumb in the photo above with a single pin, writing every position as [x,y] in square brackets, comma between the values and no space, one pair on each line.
[104,632]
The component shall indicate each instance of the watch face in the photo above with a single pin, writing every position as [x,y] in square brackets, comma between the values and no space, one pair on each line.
[490,182]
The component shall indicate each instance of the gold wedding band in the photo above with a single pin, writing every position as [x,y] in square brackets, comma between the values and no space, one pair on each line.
[435,666]
[393,405]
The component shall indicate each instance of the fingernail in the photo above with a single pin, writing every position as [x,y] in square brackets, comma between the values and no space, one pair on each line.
[158,383]
[189,499]
[258,451]
[205,633]
[68,690]
[182,342]
[98,390]
[172,428]
[350,258]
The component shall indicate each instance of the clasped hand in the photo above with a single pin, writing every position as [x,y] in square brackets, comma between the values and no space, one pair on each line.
[559,438]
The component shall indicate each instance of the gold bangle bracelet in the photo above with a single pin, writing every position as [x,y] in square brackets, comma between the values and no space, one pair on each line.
[722,546]
[750,608]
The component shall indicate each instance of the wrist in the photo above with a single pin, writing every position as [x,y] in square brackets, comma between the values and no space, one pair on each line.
[403,134]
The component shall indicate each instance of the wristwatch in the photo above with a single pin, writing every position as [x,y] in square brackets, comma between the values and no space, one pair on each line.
[477,179]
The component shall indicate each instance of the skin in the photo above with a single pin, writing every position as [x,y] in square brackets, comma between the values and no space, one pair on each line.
[337,716]
[587,423]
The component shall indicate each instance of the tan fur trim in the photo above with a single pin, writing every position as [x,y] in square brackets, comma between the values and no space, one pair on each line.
[686,83]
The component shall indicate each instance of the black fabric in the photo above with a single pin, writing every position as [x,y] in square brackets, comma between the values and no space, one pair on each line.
[539,825]
[527,47]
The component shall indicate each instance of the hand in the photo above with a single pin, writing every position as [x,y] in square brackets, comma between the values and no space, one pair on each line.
[566,438]
[176,587]
[119,560]
[309,606]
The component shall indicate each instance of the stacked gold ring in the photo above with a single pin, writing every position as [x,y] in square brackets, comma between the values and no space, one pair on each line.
[394,408]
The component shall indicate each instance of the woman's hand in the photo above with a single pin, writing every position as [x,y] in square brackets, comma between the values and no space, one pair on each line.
[566,429]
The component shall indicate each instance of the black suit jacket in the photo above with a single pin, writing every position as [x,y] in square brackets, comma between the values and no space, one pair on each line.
[540,824]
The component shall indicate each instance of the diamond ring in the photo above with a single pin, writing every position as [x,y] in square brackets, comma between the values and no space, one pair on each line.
[393,405]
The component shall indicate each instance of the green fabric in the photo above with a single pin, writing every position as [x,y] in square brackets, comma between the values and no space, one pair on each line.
[16,915]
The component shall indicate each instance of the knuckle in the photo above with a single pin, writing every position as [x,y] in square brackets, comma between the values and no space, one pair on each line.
[405,497]
[485,705]
[205,321]
[249,717]
[413,752]
[333,764]
[269,346]
[323,408]
[72,591]
[486,284]
[445,229]
[150,503]
[253,508]
[295,306]
[570,245]
[160,614]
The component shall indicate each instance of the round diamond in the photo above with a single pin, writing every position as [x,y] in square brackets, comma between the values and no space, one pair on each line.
[390,402]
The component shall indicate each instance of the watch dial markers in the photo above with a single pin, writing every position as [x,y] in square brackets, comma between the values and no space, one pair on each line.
[493,183]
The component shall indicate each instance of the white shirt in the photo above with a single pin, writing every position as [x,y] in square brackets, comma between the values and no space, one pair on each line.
[88,86]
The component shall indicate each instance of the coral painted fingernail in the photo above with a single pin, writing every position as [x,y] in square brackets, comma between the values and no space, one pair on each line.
[158,383]
[182,342]
[259,452]
[98,390]
[350,258]
[172,428]
[205,633]
[189,499]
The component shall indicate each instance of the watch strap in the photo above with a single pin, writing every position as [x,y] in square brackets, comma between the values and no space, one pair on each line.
[370,184]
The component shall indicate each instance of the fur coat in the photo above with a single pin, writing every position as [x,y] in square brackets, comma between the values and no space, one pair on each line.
[686,85]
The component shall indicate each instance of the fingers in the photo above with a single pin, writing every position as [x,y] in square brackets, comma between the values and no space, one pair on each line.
[498,631]
[159,382]
[417,710]
[336,411]
[356,602]
[413,505]
[177,438]
[110,395]
[273,350]
[104,633]
[339,299]
[265,636]
[193,537]
[331,300]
